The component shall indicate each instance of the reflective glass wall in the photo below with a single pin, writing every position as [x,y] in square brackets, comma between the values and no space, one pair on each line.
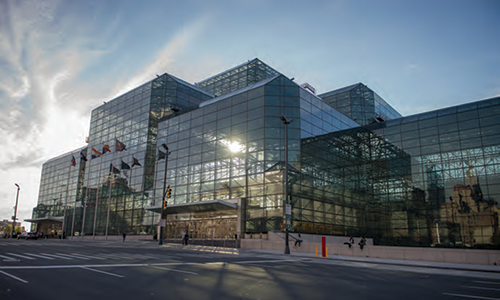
[455,178]
[61,190]
[361,104]
[431,179]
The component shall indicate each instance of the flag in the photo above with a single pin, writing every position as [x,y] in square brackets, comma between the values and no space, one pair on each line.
[113,170]
[105,149]
[161,155]
[125,166]
[82,157]
[120,146]
[136,162]
[95,153]
[73,161]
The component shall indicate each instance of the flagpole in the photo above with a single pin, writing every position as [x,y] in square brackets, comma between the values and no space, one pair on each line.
[111,173]
[84,202]
[66,201]
[97,198]
[155,178]
[73,221]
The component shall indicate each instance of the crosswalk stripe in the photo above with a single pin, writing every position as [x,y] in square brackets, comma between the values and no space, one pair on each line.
[22,256]
[40,256]
[56,256]
[112,256]
[8,258]
[88,256]
[72,256]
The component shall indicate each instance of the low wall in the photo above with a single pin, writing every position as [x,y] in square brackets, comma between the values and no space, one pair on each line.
[335,245]
[137,237]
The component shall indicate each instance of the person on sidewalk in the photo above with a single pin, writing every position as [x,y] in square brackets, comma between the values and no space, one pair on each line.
[183,237]
[350,242]
[124,236]
[298,241]
[186,238]
[362,243]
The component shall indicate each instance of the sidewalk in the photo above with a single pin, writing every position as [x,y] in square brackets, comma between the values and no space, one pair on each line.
[409,263]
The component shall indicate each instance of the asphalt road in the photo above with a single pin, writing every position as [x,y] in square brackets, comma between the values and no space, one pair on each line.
[55,269]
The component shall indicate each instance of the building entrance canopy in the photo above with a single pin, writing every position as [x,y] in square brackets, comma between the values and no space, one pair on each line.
[194,207]
[45,220]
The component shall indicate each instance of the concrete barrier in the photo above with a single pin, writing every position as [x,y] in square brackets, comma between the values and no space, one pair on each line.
[336,246]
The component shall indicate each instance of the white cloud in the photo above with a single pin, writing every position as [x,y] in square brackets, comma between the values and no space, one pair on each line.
[45,98]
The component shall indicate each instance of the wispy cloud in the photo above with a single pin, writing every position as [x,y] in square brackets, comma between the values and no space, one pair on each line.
[171,51]
[46,97]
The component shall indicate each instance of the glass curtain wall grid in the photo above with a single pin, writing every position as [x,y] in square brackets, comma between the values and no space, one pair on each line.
[60,193]
[455,175]
[361,104]
[431,179]
[237,78]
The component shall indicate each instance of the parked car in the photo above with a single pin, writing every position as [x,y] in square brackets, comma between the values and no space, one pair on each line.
[31,235]
[22,235]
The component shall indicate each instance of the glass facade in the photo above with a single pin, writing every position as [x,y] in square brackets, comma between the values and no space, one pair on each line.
[427,179]
[361,104]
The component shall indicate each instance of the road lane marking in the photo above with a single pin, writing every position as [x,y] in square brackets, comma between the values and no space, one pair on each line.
[56,256]
[471,296]
[8,258]
[264,261]
[119,256]
[99,271]
[482,288]
[21,256]
[86,256]
[130,265]
[12,276]
[40,256]
[168,269]
[72,256]
[487,282]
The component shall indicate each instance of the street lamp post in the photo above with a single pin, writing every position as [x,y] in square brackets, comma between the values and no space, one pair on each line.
[64,210]
[286,122]
[14,218]
[160,238]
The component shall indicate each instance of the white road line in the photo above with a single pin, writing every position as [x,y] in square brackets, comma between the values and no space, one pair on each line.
[482,288]
[87,256]
[99,271]
[56,256]
[21,256]
[471,296]
[72,256]
[40,256]
[168,269]
[9,258]
[117,256]
[12,276]
[264,261]
[487,282]
[109,256]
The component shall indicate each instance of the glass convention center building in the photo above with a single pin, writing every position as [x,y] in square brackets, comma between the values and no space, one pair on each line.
[217,152]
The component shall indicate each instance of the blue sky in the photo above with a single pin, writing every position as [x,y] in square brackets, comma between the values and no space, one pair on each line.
[60,59]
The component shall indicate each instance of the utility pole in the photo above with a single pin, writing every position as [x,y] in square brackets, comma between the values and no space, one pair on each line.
[160,238]
[287,198]
[14,218]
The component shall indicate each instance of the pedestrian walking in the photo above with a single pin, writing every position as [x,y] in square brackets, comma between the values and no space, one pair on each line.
[183,238]
[124,236]
[350,242]
[298,241]
[362,243]
[186,238]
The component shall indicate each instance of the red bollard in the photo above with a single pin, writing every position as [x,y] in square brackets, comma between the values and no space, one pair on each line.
[323,246]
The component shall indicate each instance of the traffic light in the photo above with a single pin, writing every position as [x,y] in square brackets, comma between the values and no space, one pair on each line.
[165,203]
[169,193]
